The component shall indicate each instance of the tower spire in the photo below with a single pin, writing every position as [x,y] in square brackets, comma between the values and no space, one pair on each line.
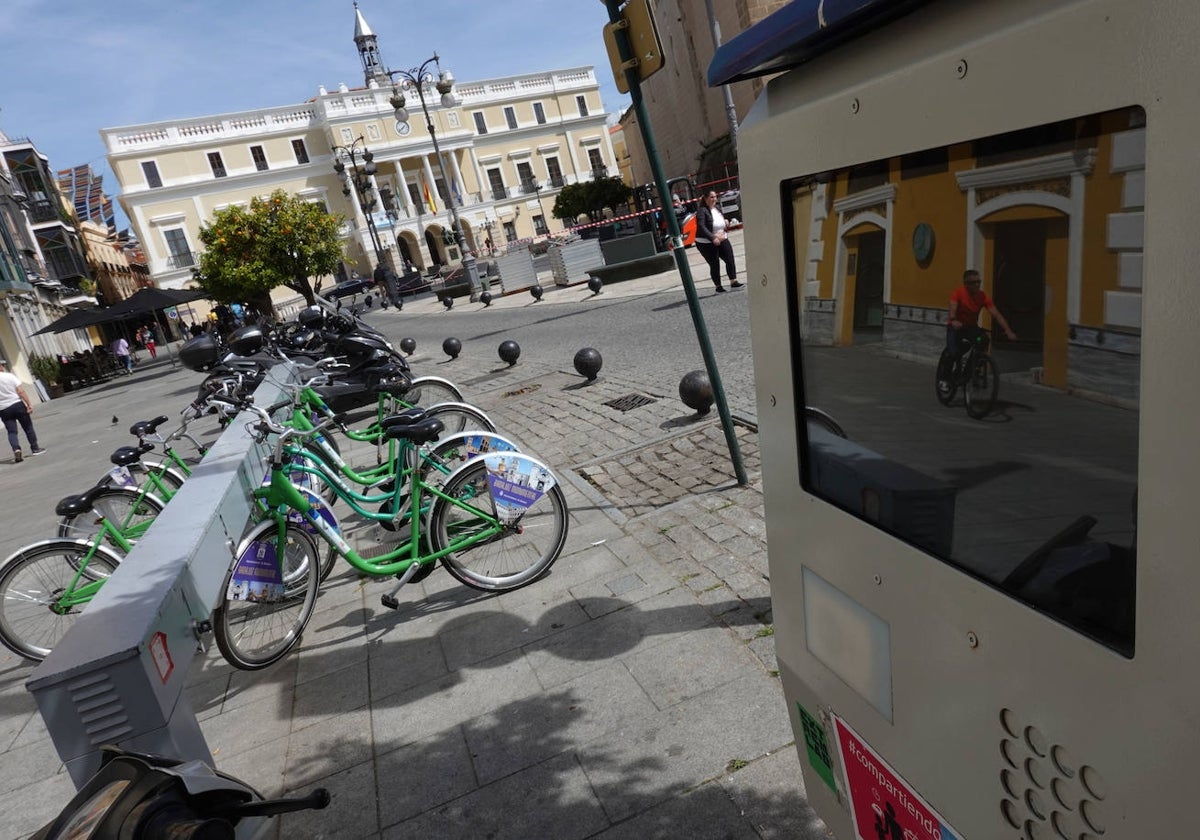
[368,50]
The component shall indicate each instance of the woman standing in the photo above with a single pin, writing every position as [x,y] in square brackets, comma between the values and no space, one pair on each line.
[712,241]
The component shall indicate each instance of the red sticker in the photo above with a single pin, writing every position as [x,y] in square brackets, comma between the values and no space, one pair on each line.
[161,656]
[882,803]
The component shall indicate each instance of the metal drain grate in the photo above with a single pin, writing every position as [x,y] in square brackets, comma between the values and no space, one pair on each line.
[630,401]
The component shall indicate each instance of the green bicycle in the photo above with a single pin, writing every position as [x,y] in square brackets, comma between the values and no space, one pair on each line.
[498,522]
[139,486]
[45,586]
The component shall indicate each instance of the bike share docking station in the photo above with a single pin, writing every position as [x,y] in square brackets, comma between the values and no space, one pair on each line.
[118,676]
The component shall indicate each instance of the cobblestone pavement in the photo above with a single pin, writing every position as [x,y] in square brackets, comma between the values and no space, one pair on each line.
[631,693]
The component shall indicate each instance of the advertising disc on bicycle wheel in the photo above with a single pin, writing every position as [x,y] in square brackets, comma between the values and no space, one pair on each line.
[257,576]
[516,483]
[122,477]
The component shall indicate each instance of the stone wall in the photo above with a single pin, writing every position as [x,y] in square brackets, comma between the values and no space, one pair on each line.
[816,325]
[914,332]
[1104,362]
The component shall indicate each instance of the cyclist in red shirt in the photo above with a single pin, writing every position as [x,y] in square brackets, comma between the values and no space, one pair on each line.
[966,302]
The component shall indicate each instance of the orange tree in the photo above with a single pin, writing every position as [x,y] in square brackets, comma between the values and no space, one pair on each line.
[591,198]
[280,240]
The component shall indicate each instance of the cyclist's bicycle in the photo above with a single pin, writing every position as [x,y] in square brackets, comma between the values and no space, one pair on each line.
[972,370]
[497,523]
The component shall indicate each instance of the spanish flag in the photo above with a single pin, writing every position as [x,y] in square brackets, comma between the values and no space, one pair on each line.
[429,199]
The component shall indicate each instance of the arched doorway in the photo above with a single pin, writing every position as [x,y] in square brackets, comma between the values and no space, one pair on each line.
[410,251]
[1026,253]
[862,265]
[433,241]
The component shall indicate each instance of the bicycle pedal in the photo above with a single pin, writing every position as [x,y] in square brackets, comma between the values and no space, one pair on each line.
[390,601]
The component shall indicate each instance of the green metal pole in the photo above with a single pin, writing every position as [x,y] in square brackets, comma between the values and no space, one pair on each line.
[685,271]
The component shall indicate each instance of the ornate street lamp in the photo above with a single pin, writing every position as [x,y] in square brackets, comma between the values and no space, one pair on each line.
[362,186]
[532,185]
[415,80]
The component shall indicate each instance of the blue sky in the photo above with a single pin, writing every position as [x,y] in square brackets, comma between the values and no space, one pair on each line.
[72,67]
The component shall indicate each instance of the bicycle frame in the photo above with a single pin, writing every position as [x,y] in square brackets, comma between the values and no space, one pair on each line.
[281,496]
[75,595]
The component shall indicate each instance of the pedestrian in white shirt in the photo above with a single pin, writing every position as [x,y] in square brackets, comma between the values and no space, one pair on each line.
[712,241]
[15,407]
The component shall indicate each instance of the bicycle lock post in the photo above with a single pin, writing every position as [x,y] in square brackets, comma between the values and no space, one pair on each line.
[117,677]
[628,65]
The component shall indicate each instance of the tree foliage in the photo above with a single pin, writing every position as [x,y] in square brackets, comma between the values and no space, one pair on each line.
[590,198]
[280,240]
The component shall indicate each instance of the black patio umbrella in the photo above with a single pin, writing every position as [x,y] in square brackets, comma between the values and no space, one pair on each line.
[151,300]
[74,319]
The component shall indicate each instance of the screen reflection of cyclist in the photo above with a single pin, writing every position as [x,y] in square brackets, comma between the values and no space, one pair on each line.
[966,302]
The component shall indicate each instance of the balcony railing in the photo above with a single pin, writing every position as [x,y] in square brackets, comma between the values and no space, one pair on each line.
[43,211]
[499,193]
[556,181]
[529,187]
[186,259]
[63,265]
[599,172]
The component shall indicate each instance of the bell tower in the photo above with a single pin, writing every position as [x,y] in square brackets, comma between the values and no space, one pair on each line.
[368,51]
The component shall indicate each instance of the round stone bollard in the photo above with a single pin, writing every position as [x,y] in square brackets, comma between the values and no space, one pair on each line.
[536,291]
[588,362]
[485,298]
[595,284]
[696,391]
[452,347]
[510,351]
[408,346]
[448,302]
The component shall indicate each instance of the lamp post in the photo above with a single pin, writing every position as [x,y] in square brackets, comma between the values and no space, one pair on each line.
[416,79]
[532,184]
[361,181]
[488,224]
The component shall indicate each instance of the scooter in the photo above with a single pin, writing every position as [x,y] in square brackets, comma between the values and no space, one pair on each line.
[144,797]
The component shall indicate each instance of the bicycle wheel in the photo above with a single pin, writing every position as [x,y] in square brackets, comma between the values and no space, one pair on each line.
[823,420]
[439,461]
[253,634]
[982,386]
[430,390]
[127,509]
[170,477]
[944,384]
[513,555]
[460,417]
[31,583]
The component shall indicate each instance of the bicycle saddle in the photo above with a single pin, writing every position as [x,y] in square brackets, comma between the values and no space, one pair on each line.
[80,503]
[423,431]
[127,455]
[146,427]
[407,417]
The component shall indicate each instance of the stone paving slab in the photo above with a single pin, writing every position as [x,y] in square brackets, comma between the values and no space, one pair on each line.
[606,700]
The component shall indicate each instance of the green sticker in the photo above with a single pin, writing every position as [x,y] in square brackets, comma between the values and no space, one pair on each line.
[818,748]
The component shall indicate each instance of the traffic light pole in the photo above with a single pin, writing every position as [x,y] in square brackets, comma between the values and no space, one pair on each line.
[685,272]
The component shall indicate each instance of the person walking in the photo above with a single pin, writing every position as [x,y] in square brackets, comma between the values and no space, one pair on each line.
[712,241]
[148,340]
[15,408]
[120,351]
